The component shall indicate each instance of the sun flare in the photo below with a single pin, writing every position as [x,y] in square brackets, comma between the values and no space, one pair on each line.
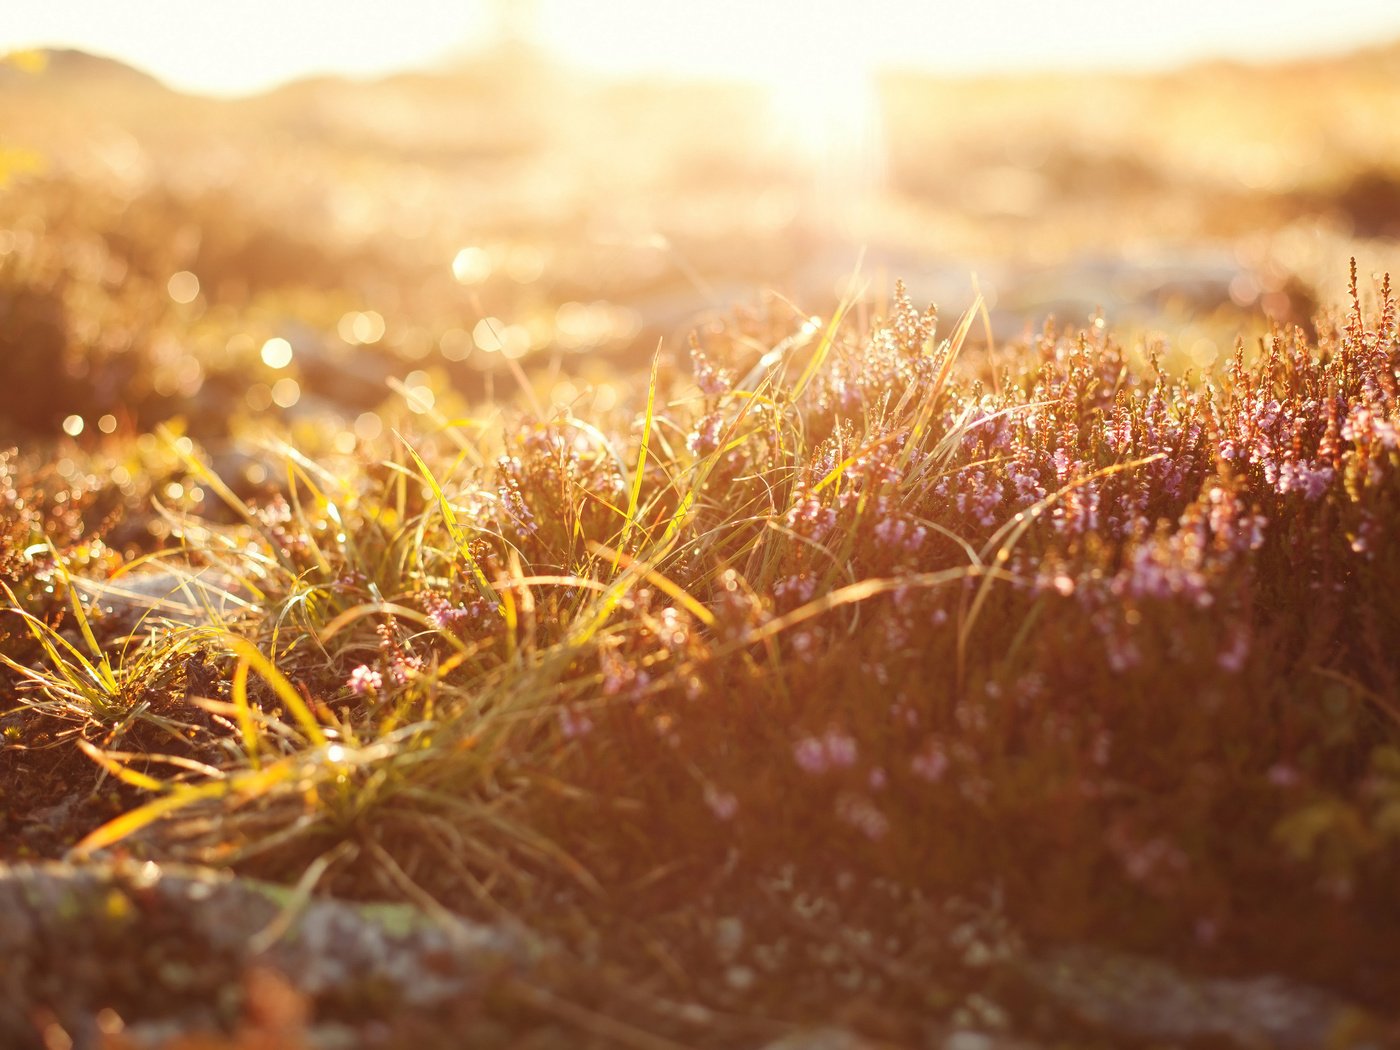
[827,118]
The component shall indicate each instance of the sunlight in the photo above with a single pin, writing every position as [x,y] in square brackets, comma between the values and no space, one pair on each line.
[251,46]
[826,118]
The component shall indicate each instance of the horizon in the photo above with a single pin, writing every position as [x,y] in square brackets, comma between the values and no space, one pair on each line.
[231,53]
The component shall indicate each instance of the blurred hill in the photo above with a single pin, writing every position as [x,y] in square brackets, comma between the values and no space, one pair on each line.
[66,69]
[587,214]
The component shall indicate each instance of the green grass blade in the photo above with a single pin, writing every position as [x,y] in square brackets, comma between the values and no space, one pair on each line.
[454,527]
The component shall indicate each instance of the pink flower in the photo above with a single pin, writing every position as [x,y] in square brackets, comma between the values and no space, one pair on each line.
[1236,651]
[364,679]
[863,815]
[810,755]
[833,750]
[930,764]
[574,724]
[722,804]
[840,749]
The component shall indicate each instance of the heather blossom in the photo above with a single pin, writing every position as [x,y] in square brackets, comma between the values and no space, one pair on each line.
[574,723]
[1310,479]
[930,763]
[723,804]
[833,750]
[364,680]
[792,591]
[705,437]
[711,379]
[861,813]
[809,517]
[810,755]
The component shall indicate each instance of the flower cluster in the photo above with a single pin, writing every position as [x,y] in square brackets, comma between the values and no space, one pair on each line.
[822,754]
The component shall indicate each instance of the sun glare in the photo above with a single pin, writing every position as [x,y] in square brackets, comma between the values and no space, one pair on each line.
[256,44]
[826,117]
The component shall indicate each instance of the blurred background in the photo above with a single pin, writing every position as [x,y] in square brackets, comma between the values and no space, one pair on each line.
[322,210]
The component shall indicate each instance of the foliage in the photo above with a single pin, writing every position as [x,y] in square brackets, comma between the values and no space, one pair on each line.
[1106,644]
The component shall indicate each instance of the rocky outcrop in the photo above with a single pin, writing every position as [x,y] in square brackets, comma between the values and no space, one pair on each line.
[178,944]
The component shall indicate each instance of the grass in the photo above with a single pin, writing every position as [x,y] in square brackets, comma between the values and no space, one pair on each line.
[726,687]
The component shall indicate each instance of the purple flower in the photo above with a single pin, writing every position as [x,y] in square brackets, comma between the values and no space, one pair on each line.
[863,815]
[840,749]
[722,804]
[930,764]
[574,724]
[810,755]
[364,679]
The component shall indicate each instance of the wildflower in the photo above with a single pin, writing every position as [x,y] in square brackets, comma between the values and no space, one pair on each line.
[711,380]
[1311,481]
[401,665]
[931,763]
[621,677]
[1154,861]
[792,591]
[1123,653]
[722,803]
[1025,480]
[810,755]
[574,724]
[862,814]
[705,437]
[1232,657]
[445,616]
[364,679]
[808,517]
[979,497]
[840,749]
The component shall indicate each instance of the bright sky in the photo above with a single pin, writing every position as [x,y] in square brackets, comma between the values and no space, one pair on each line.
[237,46]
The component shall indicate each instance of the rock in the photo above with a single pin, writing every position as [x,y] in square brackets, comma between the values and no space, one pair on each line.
[966,1039]
[1138,998]
[177,944]
[822,1039]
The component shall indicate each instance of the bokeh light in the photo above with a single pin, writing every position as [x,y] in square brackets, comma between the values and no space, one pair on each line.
[277,353]
[286,392]
[471,266]
[183,287]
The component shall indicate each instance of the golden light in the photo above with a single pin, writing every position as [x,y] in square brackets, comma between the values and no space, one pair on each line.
[456,344]
[368,426]
[419,394]
[254,45]
[183,287]
[277,353]
[361,327]
[487,334]
[286,392]
[472,265]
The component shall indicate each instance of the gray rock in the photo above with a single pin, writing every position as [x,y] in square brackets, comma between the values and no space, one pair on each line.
[822,1039]
[967,1039]
[175,943]
[1139,998]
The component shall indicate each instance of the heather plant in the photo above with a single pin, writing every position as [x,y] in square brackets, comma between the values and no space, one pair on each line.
[1108,646]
